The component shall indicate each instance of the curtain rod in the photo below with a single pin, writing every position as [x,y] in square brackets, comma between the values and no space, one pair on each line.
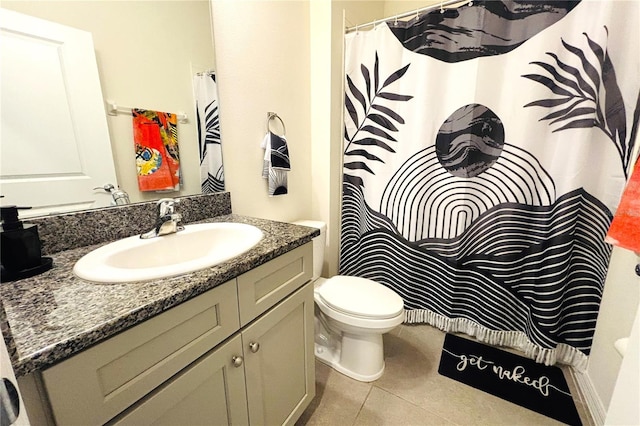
[405,14]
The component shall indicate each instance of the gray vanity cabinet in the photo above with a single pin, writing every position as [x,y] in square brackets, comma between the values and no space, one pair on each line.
[262,376]
[201,362]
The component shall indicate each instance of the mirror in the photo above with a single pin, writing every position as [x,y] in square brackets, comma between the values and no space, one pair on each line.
[148,54]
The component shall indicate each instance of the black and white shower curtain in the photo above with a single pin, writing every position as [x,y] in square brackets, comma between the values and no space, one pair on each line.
[485,152]
[208,122]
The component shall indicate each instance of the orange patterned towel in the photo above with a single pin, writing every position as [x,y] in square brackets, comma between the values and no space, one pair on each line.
[156,142]
[625,227]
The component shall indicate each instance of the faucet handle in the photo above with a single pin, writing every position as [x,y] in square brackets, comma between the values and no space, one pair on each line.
[166,206]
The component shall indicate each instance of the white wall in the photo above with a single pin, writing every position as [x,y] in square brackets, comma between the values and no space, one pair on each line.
[617,311]
[145,51]
[263,64]
[324,171]
[611,379]
[624,408]
[394,7]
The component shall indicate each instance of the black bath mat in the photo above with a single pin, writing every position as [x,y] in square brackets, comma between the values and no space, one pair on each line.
[508,376]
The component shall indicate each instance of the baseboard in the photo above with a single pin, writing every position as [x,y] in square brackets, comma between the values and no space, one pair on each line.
[590,397]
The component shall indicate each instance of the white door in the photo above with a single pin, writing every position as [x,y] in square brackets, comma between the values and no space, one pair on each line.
[54,140]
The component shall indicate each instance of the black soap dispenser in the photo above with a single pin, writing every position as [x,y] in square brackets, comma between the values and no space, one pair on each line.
[20,252]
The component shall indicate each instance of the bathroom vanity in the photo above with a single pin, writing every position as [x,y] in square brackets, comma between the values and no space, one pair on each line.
[229,344]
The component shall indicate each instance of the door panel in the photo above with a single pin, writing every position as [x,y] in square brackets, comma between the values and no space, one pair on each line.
[55,140]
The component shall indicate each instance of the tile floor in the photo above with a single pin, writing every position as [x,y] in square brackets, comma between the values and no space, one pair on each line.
[411,392]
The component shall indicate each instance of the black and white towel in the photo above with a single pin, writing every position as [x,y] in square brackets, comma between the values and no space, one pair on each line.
[276,163]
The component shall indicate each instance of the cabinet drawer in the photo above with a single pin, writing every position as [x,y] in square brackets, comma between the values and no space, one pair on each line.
[266,285]
[100,382]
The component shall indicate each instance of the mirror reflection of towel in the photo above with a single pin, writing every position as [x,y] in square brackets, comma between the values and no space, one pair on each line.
[276,163]
[156,144]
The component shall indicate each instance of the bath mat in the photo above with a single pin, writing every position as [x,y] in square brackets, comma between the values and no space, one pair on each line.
[508,376]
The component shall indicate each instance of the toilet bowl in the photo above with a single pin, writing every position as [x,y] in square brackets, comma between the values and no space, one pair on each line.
[351,315]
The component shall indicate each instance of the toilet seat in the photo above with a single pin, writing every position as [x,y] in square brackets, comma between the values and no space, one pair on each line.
[360,297]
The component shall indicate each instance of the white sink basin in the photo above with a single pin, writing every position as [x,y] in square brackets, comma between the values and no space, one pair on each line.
[197,247]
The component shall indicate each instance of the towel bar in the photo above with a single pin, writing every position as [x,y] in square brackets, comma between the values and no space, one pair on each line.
[115,109]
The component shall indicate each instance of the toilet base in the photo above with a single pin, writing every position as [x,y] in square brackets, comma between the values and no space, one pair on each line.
[357,356]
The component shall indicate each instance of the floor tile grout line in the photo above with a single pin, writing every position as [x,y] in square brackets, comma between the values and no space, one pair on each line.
[364,401]
[414,404]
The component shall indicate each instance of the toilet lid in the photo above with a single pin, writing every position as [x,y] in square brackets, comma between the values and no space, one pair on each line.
[360,297]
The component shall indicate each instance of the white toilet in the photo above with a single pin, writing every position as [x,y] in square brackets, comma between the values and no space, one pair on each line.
[351,315]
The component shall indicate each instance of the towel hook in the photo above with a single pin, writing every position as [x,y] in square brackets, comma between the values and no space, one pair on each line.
[273,115]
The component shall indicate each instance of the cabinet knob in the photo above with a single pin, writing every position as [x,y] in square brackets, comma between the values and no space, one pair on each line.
[254,346]
[237,361]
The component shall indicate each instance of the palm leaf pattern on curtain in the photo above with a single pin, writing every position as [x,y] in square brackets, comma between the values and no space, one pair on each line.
[376,125]
[588,97]
[213,182]
[212,128]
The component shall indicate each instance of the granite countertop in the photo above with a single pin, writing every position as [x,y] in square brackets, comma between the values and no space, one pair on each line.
[52,316]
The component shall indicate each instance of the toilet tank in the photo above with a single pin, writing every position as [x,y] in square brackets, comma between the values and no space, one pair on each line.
[318,244]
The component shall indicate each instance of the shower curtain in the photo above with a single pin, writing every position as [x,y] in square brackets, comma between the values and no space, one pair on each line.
[485,151]
[208,121]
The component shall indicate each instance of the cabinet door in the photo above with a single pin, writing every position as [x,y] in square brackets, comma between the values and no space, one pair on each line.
[209,392]
[279,361]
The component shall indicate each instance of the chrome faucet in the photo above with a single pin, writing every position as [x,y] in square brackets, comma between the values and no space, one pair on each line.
[167,221]
[120,196]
